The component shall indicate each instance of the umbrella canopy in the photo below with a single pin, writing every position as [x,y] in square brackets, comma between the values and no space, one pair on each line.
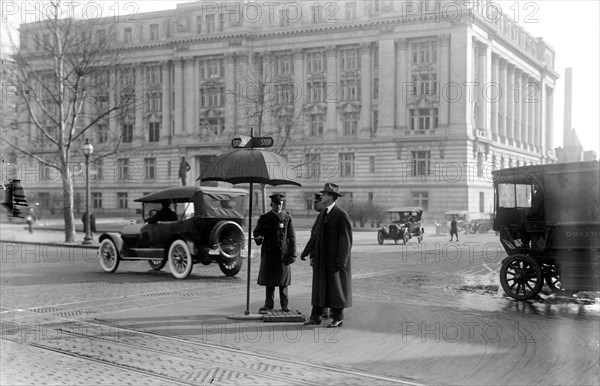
[251,166]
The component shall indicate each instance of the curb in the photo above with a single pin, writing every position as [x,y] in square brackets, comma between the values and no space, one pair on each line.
[68,245]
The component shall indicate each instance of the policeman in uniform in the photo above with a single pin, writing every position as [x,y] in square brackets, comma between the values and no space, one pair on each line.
[275,234]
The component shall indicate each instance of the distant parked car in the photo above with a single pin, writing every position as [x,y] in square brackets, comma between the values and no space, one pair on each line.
[405,223]
[481,225]
[462,220]
[207,230]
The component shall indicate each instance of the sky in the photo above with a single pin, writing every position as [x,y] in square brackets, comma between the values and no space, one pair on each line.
[570,27]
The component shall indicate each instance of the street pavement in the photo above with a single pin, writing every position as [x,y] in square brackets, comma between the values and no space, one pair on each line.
[413,322]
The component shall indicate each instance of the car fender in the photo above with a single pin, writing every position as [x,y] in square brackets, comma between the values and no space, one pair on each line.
[116,238]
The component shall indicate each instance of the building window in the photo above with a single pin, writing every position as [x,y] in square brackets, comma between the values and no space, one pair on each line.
[479,164]
[316,92]
[154,102]
[96,200]
[212,95]
[317,121]
[150,168]
[168,168]
[154,75]
[421,163]
[127,132]
[351,11]
[102,133]
[376,88]
[350,91]
[210,23]
[313,166]
[315,62]
[421,199]
[347,165]
[282,65]
[371,164]
[221,22]
[375,122]
[424,84]
[153,131]
[122,201]
[123,169]
[153,31]
[127,35]
[99,166]
[423,119]
[214,126]
[350,121]
[199,24]
[349,59]
[481,202]
[370,197]
[424,52]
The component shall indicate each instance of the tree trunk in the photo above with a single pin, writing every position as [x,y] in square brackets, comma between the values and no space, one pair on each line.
[68,205]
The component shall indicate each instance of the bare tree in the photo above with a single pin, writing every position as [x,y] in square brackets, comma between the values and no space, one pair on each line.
[272,101]
[63,83]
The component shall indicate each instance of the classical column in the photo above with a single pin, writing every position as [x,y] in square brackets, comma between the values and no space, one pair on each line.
[140,87]
[365,91]
[230,95]
[387,85]
[178,89]
[492,93]
[332,82]
[444,79]
[502,89]
[525,101]
[549,132]
[166,100]
[299,93]
[537,121]
[531,103]
[510,103]
[518,98]
[188,98]
[482,80]
[195,128]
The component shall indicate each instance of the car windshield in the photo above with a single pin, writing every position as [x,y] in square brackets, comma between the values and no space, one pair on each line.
[402,217]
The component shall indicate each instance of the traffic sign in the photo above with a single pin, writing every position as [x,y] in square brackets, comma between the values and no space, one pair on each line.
[246,142]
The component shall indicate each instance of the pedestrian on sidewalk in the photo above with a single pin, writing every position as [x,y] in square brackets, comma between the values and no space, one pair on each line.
[275,234]
[31,219]
[310,245]
[453,229]
[184,167]
[332,271]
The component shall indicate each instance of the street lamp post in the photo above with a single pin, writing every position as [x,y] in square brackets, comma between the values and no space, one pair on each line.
[88,149]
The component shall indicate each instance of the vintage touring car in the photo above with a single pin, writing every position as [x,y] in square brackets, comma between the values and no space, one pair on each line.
[405,223]
[207,230]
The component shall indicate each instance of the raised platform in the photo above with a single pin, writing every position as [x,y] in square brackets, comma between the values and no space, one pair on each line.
[280,316]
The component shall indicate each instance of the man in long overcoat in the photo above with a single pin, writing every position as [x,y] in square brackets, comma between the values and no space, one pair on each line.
[332,270]
[275,234]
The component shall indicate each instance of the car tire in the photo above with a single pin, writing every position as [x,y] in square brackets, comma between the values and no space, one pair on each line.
[231,268]
[380,237]
[180,259]
[483,229]
[108,256]
[521,277]
[157,265]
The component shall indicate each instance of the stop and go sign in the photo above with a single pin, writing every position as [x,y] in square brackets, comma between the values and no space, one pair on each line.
[252,142]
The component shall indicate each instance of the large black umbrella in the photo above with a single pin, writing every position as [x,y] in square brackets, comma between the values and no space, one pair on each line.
[251,166]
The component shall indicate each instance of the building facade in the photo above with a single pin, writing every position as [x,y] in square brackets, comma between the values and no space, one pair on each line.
[399,102]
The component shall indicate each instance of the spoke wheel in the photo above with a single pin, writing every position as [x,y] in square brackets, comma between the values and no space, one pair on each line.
[552,278]
[521,277]
[379,237]
[108,256]
[180,259]
[405,237]
[483,229]
[157,265]
[232,267]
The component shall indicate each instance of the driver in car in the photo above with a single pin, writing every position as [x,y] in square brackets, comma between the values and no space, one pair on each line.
[165,214]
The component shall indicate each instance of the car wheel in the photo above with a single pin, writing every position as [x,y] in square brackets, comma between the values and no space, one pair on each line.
[379,237]
[406,237]
[180,259]
[108,255]
[231,268]
[420,238]
[157,265]
[552,278]
[483,229]
[521,277]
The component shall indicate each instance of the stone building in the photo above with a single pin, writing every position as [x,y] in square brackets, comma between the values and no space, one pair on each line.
[399,102]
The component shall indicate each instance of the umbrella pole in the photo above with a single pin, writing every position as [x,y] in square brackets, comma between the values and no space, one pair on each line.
[249,250]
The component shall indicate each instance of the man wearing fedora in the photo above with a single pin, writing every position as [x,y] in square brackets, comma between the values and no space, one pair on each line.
[310,245]
[332,273]
[275,234]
